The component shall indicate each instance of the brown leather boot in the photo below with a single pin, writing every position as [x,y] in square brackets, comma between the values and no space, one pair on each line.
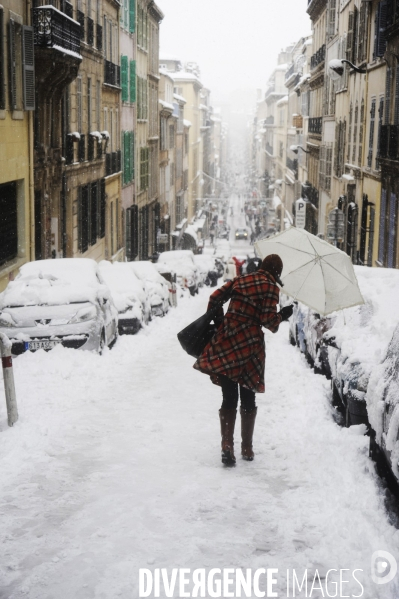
[227,422]
[247,432]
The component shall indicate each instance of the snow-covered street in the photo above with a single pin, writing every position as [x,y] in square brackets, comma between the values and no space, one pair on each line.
[115,465]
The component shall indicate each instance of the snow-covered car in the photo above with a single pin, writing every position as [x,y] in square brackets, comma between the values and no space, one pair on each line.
[297,326]
[182,262]
[128,294]
[383,408]
[62,301]
[359,337]
[206,265]
[156,286]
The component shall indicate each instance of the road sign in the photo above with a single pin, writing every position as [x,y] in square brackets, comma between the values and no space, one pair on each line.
[300,214]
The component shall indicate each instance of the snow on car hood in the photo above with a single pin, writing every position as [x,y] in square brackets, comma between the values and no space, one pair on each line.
[54,282]
[45,290]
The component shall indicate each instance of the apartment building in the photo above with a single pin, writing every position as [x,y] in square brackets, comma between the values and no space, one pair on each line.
[17,103]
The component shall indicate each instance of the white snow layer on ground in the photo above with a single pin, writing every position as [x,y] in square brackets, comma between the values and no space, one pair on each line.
[115,465]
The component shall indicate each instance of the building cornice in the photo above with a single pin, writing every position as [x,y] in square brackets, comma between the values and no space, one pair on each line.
[316,8]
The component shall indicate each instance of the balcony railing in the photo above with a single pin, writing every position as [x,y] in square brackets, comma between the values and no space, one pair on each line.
[292,164]
[290,72]
[112,163]
[111,73]
[311,193]
[315,125]
[54,28]
[318,57]
[389,142]
[270,91]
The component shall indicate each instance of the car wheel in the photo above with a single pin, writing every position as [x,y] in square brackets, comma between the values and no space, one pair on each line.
[102,343]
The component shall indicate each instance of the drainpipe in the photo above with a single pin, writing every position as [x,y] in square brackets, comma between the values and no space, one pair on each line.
[8,376]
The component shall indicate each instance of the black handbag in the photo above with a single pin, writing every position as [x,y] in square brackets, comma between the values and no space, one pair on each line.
[196,336]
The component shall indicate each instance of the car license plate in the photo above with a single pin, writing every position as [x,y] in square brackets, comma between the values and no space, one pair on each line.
[45,344]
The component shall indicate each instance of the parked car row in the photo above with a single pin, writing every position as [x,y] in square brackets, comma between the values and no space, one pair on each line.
[358,349]
[80,304]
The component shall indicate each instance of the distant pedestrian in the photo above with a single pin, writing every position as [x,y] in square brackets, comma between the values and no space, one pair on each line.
[230,271]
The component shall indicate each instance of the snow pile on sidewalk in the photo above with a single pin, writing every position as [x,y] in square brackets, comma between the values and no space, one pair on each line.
[115,466]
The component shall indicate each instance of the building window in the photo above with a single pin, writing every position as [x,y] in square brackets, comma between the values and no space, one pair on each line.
[171,137]
[125,78]
[371,135]
[339,149]
[380,121]
[132,81]
[98,106]
[144,168]
[8,222]
[380,25]
[88,105]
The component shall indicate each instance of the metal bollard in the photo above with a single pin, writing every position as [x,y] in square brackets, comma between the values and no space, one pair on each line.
[8,375]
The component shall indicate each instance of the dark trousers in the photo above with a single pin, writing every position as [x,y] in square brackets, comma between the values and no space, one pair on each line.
[230,395]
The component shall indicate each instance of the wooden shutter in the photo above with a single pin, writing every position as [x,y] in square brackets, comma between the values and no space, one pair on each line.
[381,240]
[388,96]
[93,212]
[132,80]
[84,198]
[131,145]
[332,17]
[2,74]
[382,25]
[126,157]
[362,37]
[336,148]
[396,113]
[353,51]
[132,16]
[13,66]
[102,208]
[125,79]
[371,135]
[135,231]
[392,231]
[349,39]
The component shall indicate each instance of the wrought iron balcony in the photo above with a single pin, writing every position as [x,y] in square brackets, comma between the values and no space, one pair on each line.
[54,29]
[311,193]
[315,125]
[318,57]
[290,72]
[111,73]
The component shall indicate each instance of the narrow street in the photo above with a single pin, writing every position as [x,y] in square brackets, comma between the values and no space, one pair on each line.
[115,466]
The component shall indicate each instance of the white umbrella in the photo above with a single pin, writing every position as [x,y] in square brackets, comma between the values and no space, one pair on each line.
[314,272]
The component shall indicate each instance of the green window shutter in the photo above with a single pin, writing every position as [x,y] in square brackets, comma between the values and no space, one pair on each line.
[132,16]
[126,177]
[132,80]
[131,145]
[124,71]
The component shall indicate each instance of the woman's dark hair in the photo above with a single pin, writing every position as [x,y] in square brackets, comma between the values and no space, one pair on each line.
[272,264]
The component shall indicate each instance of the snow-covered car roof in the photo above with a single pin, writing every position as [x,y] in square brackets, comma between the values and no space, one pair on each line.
[364,332]
[125,287]
[176,255]
[146,271]
[54,282]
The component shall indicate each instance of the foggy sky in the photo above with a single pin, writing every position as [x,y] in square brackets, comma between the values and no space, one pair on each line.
[235,42]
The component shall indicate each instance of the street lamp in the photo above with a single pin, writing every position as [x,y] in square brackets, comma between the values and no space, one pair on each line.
[295,149]
[336,68]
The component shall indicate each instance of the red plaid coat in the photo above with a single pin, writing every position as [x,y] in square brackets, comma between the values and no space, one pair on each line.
[238,348]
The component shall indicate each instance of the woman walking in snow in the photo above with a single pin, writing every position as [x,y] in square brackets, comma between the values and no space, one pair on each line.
[235,357]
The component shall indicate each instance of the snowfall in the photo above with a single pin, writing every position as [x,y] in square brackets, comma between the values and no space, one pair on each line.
[114,468]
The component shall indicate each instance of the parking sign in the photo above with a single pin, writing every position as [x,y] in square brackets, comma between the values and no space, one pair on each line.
[300,214]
